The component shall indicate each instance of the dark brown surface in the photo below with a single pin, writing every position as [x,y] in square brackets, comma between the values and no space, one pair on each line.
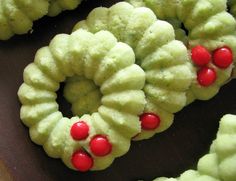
[166,154]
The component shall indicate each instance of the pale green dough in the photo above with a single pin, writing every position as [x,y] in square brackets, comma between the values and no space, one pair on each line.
[114,117]
[56,6]
[80,91]
[208,24]
[220,163]
[17,16]
[165,61]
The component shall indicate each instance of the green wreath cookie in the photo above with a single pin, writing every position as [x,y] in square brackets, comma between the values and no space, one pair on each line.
[207,30]
[91,141]
[220,163]
[17,16]
[164,60]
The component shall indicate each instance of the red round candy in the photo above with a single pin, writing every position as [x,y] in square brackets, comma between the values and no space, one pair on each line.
[79,130]
[200,55]
[149,121]
[222,57]
[100,146]
[206,76]
[82,161]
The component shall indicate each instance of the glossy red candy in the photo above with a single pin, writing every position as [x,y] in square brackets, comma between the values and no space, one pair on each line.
[222,57]
[79,130]
[100,145]
[82,161]
[149,121]
[206,76]
[200,55]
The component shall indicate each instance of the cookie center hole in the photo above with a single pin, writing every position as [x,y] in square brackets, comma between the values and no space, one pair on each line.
[64,105]
[184,29]
[181,32]
[82,94]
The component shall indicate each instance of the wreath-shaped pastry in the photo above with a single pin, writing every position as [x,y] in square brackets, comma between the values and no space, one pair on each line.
[17,16]
[103,71]
[220,163]
[164,60]
[93,140]
[169,73]
[203,23]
